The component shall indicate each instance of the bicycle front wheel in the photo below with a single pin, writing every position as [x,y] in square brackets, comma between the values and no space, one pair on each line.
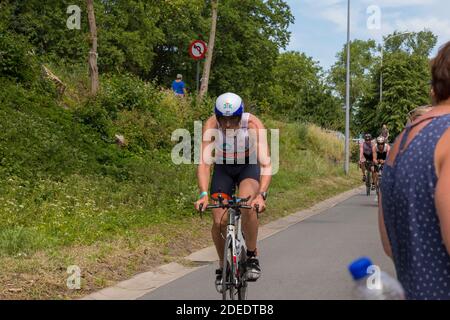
[368,182]
[242,290]
[228,288]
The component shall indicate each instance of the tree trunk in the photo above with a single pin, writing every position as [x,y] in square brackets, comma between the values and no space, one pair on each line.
[209,54]
[93,69]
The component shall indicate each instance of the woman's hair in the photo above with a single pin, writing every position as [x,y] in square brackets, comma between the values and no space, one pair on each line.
[418,112]
[440,72]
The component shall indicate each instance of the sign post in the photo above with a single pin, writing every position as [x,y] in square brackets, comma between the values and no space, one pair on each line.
[197,51]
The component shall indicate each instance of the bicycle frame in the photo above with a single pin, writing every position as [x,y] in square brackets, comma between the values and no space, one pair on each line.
[235,248]
[234,231]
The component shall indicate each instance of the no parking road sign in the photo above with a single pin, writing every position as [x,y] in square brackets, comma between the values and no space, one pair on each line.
[197,49]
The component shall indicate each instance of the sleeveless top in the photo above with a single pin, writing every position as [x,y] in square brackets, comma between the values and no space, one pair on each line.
[367,150]
[236,148]
[381,155]
[421,260]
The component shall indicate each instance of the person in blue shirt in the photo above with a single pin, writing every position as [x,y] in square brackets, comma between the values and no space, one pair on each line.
[178,86]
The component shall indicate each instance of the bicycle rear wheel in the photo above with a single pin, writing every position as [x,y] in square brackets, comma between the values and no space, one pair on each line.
[228,290]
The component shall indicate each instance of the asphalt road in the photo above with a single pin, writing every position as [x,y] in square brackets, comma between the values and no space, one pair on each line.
[306,261]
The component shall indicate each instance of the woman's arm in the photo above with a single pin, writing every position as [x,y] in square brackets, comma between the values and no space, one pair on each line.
[442,194]
[263,152]
[382,228]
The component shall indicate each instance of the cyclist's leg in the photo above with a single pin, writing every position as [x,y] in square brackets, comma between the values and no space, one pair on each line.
[249,187]
[372,169]
[248,181]
[221,182]
[375,176]
[362,165]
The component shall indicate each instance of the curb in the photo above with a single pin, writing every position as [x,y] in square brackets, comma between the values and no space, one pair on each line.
[146,282]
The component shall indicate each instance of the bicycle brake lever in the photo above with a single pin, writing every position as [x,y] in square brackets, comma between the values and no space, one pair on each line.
[201,211]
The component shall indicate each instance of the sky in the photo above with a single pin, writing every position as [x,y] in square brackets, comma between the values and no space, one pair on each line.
[320,27]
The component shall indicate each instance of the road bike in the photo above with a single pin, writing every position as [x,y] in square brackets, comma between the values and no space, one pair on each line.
[368,165]
[234,282]
[379,171]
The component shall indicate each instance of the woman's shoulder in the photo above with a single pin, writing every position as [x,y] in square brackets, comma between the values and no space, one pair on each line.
[211,122]
[254,122]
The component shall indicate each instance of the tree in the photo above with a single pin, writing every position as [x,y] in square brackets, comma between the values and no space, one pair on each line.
[406,86]
[300,93]
[250,34]
[418,43]
[93,69]
[406,77]
[180,22]
[209,54]
[362,60]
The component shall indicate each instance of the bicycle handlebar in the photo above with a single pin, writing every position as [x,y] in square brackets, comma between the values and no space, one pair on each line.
[235,203]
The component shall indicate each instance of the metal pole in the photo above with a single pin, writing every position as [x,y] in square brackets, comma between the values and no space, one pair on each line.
[381,75]
[198,74]
[347,109]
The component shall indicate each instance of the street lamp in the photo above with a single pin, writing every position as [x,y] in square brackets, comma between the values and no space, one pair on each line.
[381,70]
[347,98]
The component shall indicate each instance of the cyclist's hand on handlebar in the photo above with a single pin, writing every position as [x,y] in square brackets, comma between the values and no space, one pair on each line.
[259,203]
[201,203]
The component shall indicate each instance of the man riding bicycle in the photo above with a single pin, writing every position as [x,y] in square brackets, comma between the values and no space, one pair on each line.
[380,154]
[241,159]
[366,150]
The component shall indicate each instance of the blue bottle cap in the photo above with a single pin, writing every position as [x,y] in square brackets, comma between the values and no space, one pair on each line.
[358,268]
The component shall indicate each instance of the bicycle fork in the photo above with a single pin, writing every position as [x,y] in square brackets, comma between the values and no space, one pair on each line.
[237,244]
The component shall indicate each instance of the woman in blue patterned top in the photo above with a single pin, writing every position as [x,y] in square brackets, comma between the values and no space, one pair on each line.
[415,212]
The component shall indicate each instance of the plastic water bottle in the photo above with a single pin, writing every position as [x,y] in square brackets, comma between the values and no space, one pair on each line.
[373,284]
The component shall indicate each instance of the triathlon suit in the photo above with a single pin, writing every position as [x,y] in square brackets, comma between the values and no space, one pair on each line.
[235,159]
[382,155]
[367,151]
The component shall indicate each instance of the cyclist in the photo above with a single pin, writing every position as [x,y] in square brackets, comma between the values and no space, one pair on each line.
[366,156]
[380,154]
[241,160]
[385,133]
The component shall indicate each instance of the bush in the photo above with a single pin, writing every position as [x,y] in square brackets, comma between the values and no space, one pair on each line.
[17,60]
[354,152]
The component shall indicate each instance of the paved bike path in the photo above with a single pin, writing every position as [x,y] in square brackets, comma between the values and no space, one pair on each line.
[306,261]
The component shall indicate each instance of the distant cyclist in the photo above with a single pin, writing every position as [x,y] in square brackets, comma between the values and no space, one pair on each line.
[366,149]
[380,155]
[236,144]
[385,133]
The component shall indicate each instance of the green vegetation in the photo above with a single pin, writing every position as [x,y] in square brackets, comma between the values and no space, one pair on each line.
[406,77]
[71,195]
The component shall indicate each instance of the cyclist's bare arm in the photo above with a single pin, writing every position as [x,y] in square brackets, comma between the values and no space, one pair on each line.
[442,199]
[374,154]
[361,152]
[204,168]
[263,153]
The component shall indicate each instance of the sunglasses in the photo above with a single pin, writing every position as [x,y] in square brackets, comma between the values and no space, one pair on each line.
[232,120]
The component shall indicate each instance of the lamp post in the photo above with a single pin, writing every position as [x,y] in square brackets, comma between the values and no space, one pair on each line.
[347,98]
